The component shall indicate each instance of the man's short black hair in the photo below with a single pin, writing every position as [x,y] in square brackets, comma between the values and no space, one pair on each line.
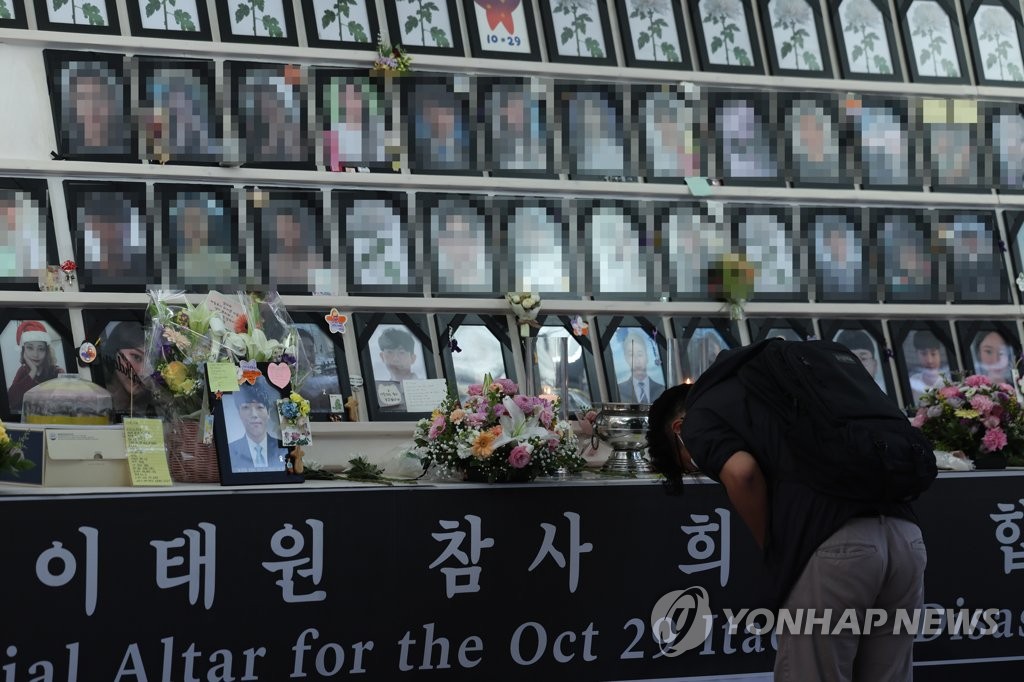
[856,339]
[926,340]
[395,338]
[254,393]
[661,447]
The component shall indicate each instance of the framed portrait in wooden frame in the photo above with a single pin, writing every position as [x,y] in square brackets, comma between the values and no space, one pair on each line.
[990,348]
[995,30]
[866,340]
[247,432]
[351,24]
[502,30]
[925,356]
[472,346]
[327,386]
[36,345]
[397,359]
[98,16]
[26,233]
[632,348]
[179,20]
[581,368]
[701,339]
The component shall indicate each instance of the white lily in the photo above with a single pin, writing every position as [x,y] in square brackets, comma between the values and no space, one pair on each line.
[516,426]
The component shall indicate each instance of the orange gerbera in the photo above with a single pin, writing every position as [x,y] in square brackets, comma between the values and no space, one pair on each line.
[483,445]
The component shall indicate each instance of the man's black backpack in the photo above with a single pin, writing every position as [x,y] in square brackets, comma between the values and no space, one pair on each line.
[846,436]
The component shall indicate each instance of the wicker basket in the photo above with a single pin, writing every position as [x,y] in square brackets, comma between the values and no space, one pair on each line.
[190,460]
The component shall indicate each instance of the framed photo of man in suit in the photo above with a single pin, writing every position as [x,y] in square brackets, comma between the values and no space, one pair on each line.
[248,435]
[632,350]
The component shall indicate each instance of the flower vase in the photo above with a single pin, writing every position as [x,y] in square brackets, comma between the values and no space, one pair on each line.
[989,460]
[190,460]
[475,475]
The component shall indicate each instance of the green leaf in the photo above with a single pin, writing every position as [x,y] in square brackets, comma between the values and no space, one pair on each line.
[328,18]
[950,68]
[787,47]
[669,50]
[259,4]
[716,44]
[93,14]
[741,56]
[152,7]
[567,35]
[358,32]
[925,56]
[411,23]
[241,12]
[812,61]
[272,26]
[882,64]
[594,48]
[991,61]
[344,7]
[439,36]
[644,38]
[856,54]
[1015,72]
[184,20]
[57,4]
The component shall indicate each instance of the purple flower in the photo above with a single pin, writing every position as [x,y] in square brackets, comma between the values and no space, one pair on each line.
[507,386]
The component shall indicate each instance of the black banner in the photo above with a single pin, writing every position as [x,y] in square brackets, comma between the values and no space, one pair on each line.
[539,581]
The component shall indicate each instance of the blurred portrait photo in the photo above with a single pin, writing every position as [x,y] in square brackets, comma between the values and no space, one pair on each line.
[396,356]
[1008,145]
[23,235]
[864,346]
[593,142]
[378,249]
[993,356]
[354,113]
[538,242]
[977,267]
[483,357]
[440,138]
[318,350]
[926,360]
[694,241]
[270,113]
[293,246]
[671,148]
[884,147]
[839,258]
[639,373]
[619,262]
[200,228]
[517,135]
[952,156]
[252,426]
[812,133]
[178,112]
[92,107]
[33,352]
[768,244]
[744,140]
[110,231]
[701,350]
[122,350]
[462,257]
[907,261]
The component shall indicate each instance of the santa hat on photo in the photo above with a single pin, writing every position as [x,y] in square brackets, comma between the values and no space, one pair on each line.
[31,330]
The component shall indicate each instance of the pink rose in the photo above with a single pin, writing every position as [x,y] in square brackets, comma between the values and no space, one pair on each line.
[1005,388]
[949,391]
[978,380]
[475,419]
[545,418]
[507,386]
[475,389]
[519,457]
[552,443]
[994,440]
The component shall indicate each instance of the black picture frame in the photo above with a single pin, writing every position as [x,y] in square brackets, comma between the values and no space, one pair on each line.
[366,326]
[461,244]
[612,332]
[913,376]
[872,120]
[207,216]
[953,148]
[470,332]
[580,106]
[804,28]
[701,339]
[226,410]
[1004,134]
[282,20]
[672,34]
[120,339]
[912,21]
[56,323]
[707,50]
[106,11]
[517,142]
[746,143]
[17,18]
[27,201]
[748,220]
[865,18]
[584,390]
[83,86]
[256,85]
[1015,233]
[559,31]
[981,12]
[975,272]
[289,222]
[322,15]
[908,270]
[350,140]
[815,145]
[670,141]
[507,28]
[840,255]
[789,328]
[692,241]
[361,238]
[123,205]
[432,102]
[178,100]
[188,26]
[543,265]
[328,352]
[623,231]
[402,30]
[866,340]
[995,341]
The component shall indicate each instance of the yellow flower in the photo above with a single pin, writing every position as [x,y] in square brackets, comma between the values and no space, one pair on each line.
[304,406]
[967,414]
[4,438]
[295,398]
[483,445]
[176,376]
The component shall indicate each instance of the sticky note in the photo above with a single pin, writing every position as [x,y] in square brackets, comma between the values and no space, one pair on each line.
[965,111]
[699,187]
[222,376]
[935,111]
[143,435]
[149,468]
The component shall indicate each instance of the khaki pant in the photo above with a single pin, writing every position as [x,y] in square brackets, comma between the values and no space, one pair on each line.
[869,563]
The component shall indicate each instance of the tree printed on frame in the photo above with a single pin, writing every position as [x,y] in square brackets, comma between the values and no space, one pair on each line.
[343,8]
[997,38]
[577,12]
[651,13]
[270,23]
[723,13]
[793,17]
[182,18]
[930,22]
[90,11]
[863,17]
[421,18]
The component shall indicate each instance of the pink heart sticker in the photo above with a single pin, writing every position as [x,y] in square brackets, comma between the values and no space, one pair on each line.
[279,373]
